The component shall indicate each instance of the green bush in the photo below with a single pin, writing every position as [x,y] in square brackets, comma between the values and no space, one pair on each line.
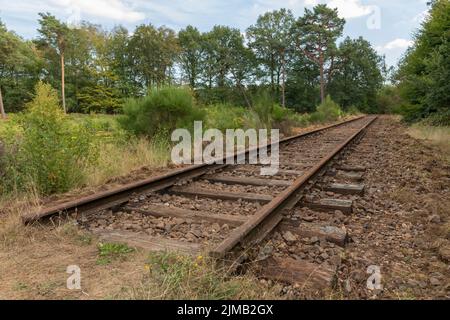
[263,107]
[388,100]
[224,116]
[326,111]
[353,110]
[50,152]
[162,110]
[441,119]
[412,112]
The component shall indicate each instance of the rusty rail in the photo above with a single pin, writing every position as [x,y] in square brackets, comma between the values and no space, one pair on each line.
[120,195]
[279,203]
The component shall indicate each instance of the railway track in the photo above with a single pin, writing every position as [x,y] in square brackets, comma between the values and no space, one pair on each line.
[226,210]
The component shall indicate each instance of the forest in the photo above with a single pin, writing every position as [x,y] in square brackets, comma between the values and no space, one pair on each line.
[299,60]
[126,90]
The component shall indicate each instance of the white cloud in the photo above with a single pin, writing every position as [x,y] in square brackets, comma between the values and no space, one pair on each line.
[421,17]
[110,9]
[398,44]
[350,8]
[347,9]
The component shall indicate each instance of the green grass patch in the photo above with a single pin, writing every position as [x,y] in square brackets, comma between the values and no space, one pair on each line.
[108,252]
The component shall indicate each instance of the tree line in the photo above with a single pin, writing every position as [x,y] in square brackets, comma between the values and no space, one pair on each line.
[423,77]
[300,60]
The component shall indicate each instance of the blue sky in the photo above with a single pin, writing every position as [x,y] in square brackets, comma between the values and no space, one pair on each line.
[388,24]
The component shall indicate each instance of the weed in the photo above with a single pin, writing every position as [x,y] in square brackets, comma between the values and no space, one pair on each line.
[108,252]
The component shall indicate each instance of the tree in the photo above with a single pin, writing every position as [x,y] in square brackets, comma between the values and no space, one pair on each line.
[119,59]
[153,53]
[423,74]
[191,52]
[315,36]
[55,34]
[302,85]
[271,39]
[19,70]
[242,63]
[357,76]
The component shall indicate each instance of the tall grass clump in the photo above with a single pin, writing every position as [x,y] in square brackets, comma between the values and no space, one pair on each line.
[162,110]
[48,153]
[327,111]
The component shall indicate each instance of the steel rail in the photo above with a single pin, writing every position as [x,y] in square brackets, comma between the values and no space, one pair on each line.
[280,202]
[117,196]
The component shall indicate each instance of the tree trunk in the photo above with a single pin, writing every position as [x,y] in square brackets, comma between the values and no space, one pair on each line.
[322,81]
[283,80]
[272,70]
[2,109]
[63,94]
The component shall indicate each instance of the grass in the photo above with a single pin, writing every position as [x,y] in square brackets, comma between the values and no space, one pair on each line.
[117,159]
[174,276]
[437,136]
[108,252]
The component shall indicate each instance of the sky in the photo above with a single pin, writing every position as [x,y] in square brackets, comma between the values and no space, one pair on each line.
[388,24]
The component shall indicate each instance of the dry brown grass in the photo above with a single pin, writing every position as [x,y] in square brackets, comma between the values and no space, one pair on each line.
[437,136]
[117,160]
[34,260]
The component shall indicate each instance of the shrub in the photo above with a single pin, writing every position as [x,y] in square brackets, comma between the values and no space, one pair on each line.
[412,112]
[441,119]
[162,110]
[353,110]
[224,116]
[263,106]
[326,111]
[50,152]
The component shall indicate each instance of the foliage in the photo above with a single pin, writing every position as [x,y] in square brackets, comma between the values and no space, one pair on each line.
[99,98]
[315,34]
[326,111]
[294,57]
[162,110]
[112,251]
[423,73]
[388,100]
[50,153]
[263,106]
[19,69]
[191,54]
[272,41]
[153,53]
[358,76]
[222,117]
